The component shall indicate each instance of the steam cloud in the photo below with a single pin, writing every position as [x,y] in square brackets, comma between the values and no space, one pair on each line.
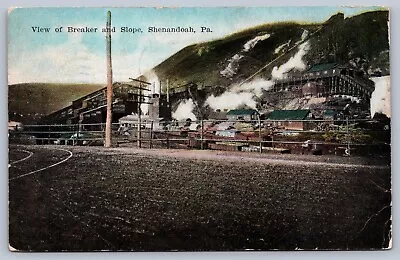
[184,110]
[304,35]
[282,46]
[233,65]
[295,62]
[244,95]
[380,98]
[152,77]
[250,44]
[240,95]
[231,100]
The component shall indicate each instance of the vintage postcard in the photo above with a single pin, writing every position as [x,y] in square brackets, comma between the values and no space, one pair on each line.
[199,129]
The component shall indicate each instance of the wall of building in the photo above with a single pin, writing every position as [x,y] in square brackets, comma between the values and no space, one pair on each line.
[242,117]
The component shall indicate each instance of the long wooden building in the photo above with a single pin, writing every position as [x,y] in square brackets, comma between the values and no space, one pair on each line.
[91,108]
[326,80]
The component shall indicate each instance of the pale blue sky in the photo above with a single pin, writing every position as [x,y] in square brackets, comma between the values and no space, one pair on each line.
[66,57]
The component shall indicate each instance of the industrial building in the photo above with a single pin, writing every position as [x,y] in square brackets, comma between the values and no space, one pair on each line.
[327,79]
[320,80]
[242,114]
[127,97]
[290,119]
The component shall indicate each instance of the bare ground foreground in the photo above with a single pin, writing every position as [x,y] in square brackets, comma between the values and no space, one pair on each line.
[91,198]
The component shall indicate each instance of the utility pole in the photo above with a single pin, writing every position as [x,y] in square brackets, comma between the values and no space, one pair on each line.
[167,92]
[107,142]
[347,151]
[140,96]
[346,112]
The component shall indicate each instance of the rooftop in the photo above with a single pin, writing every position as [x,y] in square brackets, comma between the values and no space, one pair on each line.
[322,66]
[289,114]
[238,112]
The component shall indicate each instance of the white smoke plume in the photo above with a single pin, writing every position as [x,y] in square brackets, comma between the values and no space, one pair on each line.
[233,64]
[295,62]
[231,100]
[281,47]
[380,98]
[250,44]
[255,86]
[184,110]
[304,35]
[244,94]
[144,108]
[240,95]
[152,78]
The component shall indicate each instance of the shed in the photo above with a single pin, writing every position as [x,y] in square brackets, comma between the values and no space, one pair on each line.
[290,119]
[242,114]
[217,115]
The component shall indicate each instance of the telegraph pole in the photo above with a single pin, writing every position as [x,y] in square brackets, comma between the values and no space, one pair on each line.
[140,96]
[167,92]
[107,142]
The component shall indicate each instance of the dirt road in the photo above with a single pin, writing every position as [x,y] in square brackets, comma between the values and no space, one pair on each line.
[155,200]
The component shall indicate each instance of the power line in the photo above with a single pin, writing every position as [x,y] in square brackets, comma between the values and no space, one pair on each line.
[280,56]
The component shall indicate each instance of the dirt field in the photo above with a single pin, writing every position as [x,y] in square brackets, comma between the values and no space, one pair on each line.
[91,198]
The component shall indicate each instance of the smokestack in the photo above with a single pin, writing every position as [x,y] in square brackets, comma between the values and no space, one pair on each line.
[167,92]
[107,142]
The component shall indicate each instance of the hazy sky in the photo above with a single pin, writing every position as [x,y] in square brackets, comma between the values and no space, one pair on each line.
[80,57]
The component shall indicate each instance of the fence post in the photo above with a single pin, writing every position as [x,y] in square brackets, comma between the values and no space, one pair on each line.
[151,134]
[259,132]
[138,134]
[347,151]
[48,136]
[272,140]
[167,142]
[188,139]
[74,141]
[202,134]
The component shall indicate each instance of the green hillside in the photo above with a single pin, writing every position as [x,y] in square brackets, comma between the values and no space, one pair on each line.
[202,63]
[360,41]
[29,101]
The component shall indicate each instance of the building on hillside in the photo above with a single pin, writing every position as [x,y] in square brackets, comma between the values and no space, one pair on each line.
[217,115]
[312,89]
[242,114]
[91,108]
[327,79]
[290,119]
[130,122]
[159,107]
[159,112]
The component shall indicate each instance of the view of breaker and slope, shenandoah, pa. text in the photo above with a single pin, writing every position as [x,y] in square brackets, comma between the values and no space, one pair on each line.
[199,129]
